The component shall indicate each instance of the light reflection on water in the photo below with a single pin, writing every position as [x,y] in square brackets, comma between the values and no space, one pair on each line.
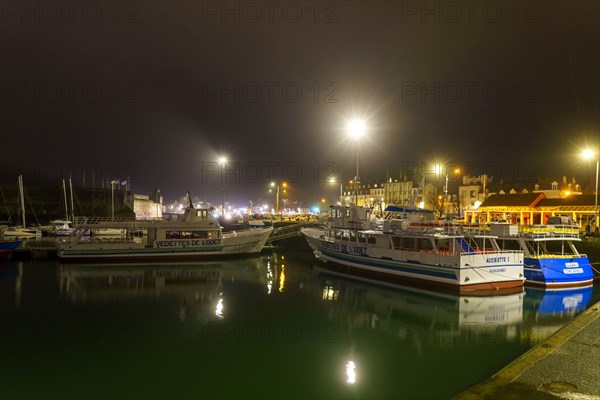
[273,326]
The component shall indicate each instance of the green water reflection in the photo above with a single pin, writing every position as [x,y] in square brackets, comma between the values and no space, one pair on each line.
[273,326]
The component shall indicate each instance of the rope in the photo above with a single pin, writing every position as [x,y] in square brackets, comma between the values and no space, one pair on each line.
[481,276]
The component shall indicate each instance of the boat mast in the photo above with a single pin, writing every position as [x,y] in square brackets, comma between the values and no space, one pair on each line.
[72,207]
[66,204]
[22,199]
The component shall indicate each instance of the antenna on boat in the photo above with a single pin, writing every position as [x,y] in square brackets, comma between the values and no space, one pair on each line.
[189,196]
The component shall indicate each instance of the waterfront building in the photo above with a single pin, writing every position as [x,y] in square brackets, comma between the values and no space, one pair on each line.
[533,208]
[400,193]
[473,191]
[368,194]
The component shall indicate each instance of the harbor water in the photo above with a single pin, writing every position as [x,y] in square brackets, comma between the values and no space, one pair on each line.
[271,326]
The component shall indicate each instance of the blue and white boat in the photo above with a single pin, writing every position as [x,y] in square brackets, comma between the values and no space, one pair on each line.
[8,246]
[551,258]
[413,248]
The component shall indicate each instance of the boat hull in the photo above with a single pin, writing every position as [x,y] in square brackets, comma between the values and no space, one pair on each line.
[438,272]
[235,246]
[559,271]
[7,247]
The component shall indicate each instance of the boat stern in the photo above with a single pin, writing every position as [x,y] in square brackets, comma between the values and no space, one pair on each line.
[485,270]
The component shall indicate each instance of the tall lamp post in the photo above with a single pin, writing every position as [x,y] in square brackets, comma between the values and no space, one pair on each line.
[276,186]
[456,172]
[589,154]
[223,163]
[356,129]
[112,195]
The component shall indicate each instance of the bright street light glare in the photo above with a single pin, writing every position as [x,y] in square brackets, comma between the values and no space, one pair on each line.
[356,128]
[588,154]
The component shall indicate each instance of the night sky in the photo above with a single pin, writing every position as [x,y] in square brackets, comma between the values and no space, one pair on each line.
[157,90]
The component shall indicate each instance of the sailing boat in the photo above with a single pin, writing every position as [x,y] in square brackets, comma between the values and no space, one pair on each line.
[63,227]
[22,231]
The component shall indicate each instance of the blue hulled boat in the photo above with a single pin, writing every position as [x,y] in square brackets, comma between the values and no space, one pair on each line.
[8,246]
[551,258]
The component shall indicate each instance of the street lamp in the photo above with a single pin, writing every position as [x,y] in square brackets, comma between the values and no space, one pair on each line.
[112,195]
[456,172]
[334,180]
[273,184]
[223,163]
[356,129]
[589,154]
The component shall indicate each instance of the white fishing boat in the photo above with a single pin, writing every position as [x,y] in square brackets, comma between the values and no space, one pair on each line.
[198,235]
[413,248]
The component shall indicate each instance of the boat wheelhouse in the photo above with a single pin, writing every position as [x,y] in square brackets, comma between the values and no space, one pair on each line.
[198,235]
[550,256]
[416,249]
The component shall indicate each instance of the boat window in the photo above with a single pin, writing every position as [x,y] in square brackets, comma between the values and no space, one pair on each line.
[362,238]
[509,244]
[346,235]
[371,239]
[404,243]
[353,236]
[172,235]
[424,244]
[338,235]
[443,245]
[558,248]
[347,213]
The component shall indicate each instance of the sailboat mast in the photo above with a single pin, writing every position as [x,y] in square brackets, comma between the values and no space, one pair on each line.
[66,204]
[22,196]
[72,207]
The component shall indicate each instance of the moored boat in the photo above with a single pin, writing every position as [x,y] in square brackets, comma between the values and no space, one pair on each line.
[198,235]
[8,246]
[413,248]
[21,231]
[550,256]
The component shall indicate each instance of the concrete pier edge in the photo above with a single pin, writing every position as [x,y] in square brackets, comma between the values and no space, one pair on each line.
[497,386]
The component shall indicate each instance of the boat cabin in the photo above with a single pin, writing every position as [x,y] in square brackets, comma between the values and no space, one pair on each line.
[352,217]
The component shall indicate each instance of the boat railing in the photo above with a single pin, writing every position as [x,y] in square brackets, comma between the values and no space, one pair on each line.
[490,252]
[556,255]
[549,231]
[418,228]
[101,220]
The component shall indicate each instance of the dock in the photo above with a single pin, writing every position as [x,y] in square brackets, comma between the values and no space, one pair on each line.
[564,366]
[37,249]
[288,231]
